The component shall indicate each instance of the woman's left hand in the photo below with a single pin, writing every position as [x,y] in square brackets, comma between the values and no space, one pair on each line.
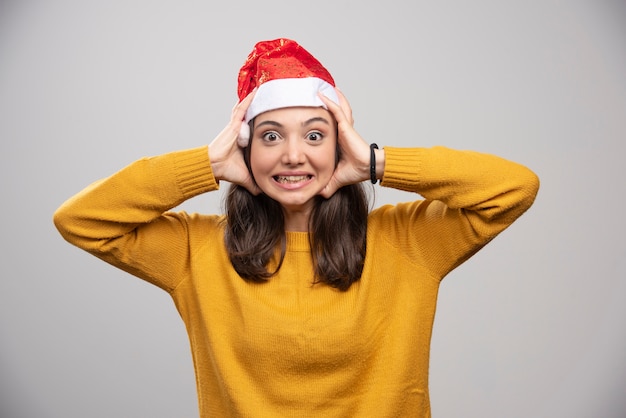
[354,164]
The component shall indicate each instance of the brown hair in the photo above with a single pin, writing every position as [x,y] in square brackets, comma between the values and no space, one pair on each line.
[255,234]
[255,230]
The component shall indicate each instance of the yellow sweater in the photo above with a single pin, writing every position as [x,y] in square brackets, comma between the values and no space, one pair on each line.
[288,348]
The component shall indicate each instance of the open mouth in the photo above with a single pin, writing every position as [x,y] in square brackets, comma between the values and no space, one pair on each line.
[292,179]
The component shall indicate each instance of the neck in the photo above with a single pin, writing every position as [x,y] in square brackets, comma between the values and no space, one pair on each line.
[297,220]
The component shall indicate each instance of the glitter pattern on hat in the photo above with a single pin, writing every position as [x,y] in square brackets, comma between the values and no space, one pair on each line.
[286,75]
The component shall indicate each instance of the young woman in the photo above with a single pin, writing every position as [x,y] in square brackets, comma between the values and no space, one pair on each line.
[298,301]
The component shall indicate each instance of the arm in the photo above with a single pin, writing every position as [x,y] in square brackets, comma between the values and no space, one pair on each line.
[122,219]
[470,198]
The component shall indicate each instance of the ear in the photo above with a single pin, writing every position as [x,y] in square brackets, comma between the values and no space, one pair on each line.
[244,135]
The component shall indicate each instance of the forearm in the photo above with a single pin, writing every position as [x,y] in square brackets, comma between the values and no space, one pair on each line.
[136,195]
[489,188]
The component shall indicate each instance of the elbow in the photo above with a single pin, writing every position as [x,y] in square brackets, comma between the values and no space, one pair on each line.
[62,222]
[67,222]
[522,195]
[530,188]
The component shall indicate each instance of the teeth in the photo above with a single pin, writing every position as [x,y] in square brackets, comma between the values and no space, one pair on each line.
[291,179]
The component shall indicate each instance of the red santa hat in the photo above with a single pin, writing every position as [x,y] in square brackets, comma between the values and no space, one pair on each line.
[286,75]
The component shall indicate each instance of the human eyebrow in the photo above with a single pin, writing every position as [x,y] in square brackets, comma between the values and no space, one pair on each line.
[268,122]
[315,119]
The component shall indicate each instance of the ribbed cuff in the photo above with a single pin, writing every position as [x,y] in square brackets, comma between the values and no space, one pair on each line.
[402,167]
[194,172]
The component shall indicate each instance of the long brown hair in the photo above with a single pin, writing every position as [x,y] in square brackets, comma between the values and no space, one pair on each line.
[255,233]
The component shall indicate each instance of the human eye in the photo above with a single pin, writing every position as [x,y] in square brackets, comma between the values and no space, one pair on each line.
[314,136]
[270,136]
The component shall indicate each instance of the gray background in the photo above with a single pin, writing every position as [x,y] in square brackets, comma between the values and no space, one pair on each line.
[533,325]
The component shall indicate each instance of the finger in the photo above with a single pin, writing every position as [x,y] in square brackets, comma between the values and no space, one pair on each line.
[240,109]
[329,190]
[334,108]
[252,188]
[345,105]
[244,135]
[238,116]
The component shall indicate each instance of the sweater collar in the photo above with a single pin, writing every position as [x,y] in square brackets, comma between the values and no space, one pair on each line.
[298,241]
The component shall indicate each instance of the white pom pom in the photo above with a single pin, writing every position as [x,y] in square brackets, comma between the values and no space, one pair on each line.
[244,135]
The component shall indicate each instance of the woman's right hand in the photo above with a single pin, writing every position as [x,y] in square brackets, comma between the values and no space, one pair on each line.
[226,154]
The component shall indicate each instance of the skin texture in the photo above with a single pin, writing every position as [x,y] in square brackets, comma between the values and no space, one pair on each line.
[295,141]
[292,158]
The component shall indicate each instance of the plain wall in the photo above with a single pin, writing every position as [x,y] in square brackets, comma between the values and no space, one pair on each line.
[533,325]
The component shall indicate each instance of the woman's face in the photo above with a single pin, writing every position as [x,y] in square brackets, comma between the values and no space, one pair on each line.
[292,155]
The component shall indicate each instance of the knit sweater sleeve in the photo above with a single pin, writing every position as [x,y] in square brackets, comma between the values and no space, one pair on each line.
[124,219]
[469,198]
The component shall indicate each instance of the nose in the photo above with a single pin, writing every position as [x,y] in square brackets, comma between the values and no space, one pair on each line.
[294,153]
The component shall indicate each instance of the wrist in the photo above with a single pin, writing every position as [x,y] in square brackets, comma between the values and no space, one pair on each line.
[377,163]
[216,165]
[380,163]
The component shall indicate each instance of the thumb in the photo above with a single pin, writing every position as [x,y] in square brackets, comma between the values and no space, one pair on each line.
[330,188]
[252,188]
[244,135]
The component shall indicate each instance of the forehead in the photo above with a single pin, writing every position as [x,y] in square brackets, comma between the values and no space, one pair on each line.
[294,115]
